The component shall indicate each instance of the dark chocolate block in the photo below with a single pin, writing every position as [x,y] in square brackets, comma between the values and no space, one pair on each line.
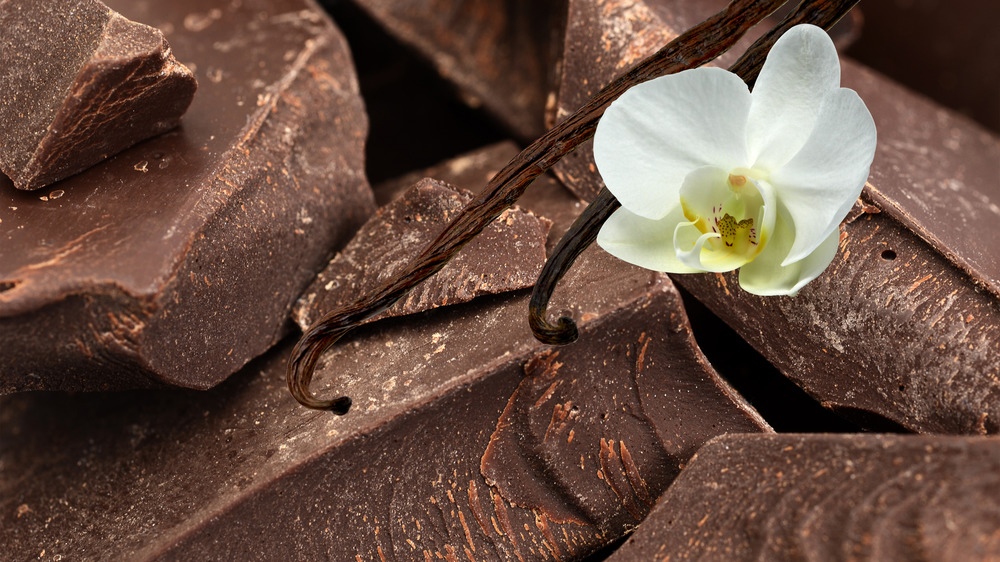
[79,83]
[243,472]
[903,329]
[178,260]
[500,54]
[508,255]
[829,497]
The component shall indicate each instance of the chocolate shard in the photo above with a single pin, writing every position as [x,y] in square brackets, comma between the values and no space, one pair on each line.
[604,38]
[508,255]
[828,497]
[243,471]
[500,54]
[178,260]
[903,329]
[79,83]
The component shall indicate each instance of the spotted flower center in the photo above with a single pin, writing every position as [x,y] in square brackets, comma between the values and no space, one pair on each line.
[726,211]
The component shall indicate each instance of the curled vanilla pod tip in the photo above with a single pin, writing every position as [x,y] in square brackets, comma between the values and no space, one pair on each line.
[693,48]
[580,235]
[584,230]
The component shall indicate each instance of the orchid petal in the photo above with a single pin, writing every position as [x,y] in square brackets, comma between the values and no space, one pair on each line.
[822,181]
[800,71]
[703,192]
[690,244]
[659,131]
[643,242]
[767,275]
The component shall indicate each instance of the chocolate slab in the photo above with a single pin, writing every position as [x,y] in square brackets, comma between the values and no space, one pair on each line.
[829,497]
[508,255]
[500,54]
[178,260]
[904,328]
[242,471]
[79,83]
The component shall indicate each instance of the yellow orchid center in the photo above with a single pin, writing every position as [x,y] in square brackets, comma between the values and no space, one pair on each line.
[727,210]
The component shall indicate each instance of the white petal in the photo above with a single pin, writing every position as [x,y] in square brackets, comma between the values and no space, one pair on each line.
[690,243]
[643,242]
[767,276]
[821,182]
[801,69]
[659,131]
[703,192]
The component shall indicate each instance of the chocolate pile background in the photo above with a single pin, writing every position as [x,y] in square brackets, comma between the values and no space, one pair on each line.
[701,420]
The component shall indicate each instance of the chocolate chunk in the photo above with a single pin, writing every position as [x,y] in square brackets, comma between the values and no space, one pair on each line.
[243,471]
[80,83]
[903,329]
[499,54]
[179,260]
[508,255]
[828,497]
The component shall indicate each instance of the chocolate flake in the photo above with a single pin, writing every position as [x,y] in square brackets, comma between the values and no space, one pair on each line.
[499,54]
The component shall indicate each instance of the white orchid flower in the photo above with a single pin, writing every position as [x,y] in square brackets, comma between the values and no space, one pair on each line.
[712,177]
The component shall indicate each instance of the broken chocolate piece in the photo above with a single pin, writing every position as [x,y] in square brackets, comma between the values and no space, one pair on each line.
[79,83]
[506,256]
[828,497]
[500,54]
[243,471]
[178,260]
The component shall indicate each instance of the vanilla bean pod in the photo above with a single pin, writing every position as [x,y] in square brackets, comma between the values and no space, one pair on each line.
[583,232]
[695,47]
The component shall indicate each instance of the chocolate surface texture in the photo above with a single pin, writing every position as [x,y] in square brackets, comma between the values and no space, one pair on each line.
[78,83]
[467,438]
[829,497]
[903,329]
[508,255]
[178,260]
